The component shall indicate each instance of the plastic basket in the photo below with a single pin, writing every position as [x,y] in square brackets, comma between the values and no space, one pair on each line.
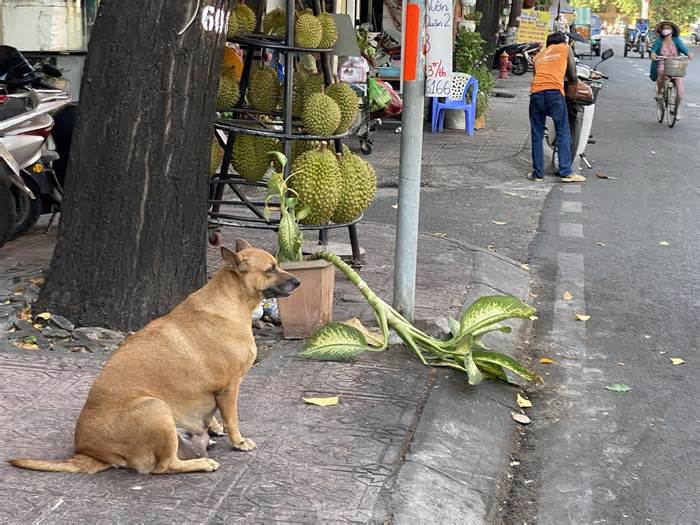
[675,67]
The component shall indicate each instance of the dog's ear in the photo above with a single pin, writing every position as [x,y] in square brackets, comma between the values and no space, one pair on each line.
[242,245]
[233,260]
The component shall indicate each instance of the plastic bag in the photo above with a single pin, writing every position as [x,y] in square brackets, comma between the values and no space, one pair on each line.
[395,106]
[379,96]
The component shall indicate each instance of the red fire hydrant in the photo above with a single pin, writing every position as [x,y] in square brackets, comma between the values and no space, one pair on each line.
[504,65]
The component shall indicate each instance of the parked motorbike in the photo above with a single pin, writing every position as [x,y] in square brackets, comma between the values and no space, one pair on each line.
[581,110]
[26,125]
[520,56]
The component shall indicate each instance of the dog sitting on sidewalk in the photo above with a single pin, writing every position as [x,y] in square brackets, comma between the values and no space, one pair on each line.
[153,403]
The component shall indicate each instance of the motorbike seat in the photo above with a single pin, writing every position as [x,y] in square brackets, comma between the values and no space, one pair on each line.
[11,108]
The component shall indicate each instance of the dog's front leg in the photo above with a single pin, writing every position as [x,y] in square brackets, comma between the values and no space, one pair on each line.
[227,402]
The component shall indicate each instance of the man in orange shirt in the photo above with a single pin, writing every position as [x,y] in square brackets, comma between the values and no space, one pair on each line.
[547,99]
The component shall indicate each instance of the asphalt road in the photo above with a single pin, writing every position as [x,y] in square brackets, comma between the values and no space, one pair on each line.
[627,250]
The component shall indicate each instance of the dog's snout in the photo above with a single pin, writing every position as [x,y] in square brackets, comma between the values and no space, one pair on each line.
[295,283]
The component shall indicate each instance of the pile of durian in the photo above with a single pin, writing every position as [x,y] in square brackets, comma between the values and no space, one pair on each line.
[310,32]
[334,186]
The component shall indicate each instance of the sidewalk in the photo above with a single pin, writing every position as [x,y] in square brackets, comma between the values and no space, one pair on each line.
[406,444]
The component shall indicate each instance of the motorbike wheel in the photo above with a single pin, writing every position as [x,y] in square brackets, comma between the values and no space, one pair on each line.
[519,66]
[8,213]
[28,210]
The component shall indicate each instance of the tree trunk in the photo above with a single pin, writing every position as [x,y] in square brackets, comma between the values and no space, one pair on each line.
[516,9]
[490,17]
[133,233]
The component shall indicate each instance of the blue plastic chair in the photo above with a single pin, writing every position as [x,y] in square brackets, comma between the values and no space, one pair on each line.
[461,103]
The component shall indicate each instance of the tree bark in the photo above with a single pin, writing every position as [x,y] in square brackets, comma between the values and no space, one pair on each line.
[490,16]
[132,238]
[516,9]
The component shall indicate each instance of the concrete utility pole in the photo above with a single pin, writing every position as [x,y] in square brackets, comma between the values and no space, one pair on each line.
[410,160]
[645,8]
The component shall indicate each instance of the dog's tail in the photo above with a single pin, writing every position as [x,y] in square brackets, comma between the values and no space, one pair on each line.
[78,463]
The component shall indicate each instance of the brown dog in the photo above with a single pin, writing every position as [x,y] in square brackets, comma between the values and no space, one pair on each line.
[152,404]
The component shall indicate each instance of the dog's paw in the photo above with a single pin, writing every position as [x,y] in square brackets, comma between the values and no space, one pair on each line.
[245,444]
[211,465]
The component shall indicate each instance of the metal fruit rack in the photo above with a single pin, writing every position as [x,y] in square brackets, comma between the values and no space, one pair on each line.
[280,125]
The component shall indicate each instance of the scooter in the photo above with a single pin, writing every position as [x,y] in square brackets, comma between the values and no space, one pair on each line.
[581,112]
[25,133]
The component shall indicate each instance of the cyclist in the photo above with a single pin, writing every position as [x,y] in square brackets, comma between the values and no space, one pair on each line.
[669,44]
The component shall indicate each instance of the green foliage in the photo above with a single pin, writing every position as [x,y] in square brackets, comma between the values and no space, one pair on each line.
[289,236]
[474,56]
[681,12]
[464,351]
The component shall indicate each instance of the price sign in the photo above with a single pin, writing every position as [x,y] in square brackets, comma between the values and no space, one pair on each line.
[439,18]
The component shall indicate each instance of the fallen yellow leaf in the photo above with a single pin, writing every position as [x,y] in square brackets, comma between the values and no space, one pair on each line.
[547,361]
[567,296]
[322,401]
[38,280]
[522,402]
[395,206]
[38,326]
[28,346]
[500,223]
[44,315]
[440,234]
[525,266]
[663,243]
[26,314]
[582,317]
[677,361]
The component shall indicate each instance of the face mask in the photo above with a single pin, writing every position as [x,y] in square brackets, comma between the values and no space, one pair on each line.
[666,32]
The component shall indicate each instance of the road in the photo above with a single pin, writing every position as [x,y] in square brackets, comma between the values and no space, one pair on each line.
[627,250]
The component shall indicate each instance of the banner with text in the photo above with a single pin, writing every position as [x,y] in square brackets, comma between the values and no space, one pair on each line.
[439,18]
[534,26]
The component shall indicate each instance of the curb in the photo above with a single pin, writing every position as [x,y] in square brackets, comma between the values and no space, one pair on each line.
[462,444]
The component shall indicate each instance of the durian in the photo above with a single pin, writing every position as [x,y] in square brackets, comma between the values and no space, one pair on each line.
[321,115]
[347,101]
[215,157]
[229,89]
[329,31]
[275,22]
[251,155]
[264,90]
[245,18]
[310,84]
[307,31]
[298,92]
[232,24]
[302,146]
[316,179]
[358,184]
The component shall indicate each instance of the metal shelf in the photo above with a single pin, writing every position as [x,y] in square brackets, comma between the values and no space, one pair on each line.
[284,127]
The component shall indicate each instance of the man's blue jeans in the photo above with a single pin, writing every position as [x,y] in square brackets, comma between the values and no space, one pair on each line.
[543,104]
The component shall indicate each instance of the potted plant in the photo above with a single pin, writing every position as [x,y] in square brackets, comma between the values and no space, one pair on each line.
[311,305]
[474,56]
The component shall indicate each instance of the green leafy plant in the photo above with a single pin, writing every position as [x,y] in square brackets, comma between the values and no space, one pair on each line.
[289,236]
[473,55]
[463,351]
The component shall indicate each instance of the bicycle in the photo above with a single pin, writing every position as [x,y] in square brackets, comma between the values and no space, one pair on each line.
[667,103]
